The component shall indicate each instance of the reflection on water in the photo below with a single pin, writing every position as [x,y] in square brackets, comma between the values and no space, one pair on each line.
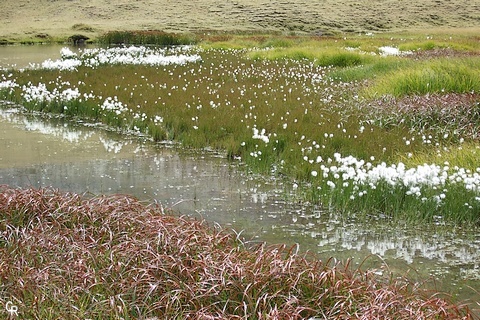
[75,157]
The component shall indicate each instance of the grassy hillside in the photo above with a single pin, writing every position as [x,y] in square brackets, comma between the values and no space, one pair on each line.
[24,19]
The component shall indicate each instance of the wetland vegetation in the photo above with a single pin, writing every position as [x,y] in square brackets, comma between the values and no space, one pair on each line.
[384,127]
[74,256]
[347,121]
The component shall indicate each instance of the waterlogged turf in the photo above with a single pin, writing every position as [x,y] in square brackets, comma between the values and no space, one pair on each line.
[276,115]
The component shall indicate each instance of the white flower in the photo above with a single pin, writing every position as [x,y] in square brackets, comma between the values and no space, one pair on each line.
[157,119]
[8,84]
[260,136]
[66,53]
[125,55]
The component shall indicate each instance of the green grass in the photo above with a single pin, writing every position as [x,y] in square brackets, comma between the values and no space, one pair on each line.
[465,155]
[145,38]
[370,71]
[419,45]
[322,56]
[217,125]
[457,75]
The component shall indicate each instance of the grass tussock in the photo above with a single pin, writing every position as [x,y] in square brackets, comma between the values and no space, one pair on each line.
[369,71]
[465,155]
[151,37]
[443,75]
[325,57]
[64,255]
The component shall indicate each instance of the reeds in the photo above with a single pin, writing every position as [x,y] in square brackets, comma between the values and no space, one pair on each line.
[65,255]
[150,37]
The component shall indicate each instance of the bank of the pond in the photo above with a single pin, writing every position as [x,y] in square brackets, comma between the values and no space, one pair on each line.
[53,20]
[68,255]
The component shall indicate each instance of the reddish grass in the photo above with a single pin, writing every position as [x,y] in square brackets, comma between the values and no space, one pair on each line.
[440,53]
[65,255]
[443,111]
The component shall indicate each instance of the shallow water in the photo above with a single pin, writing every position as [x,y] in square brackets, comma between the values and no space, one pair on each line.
[21,56]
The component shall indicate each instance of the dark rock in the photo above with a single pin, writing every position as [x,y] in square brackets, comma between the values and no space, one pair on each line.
[78,39]
[42,36]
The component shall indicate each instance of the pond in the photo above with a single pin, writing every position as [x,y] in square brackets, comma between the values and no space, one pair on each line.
[80,157]
[21,56]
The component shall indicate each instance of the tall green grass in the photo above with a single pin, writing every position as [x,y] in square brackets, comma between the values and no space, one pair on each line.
[372,69]
[465,155]
[152,37]
[446,75]
[326,57]
[383,201]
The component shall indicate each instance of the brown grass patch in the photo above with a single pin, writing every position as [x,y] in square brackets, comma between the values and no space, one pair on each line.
[325,17]
[442,53]
[65,255]
[460,112]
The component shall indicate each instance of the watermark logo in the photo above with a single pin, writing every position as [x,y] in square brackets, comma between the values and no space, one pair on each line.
[11,309]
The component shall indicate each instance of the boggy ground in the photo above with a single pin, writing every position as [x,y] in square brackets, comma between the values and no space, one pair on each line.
[43,19]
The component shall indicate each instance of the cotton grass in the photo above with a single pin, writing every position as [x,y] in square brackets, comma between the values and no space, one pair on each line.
[119,55]
[279,117]
[427,183]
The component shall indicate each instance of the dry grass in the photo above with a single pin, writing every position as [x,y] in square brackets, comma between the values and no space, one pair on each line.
[40,20]
[69,256]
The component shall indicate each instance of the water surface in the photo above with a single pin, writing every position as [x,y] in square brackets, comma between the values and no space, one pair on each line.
[22,56]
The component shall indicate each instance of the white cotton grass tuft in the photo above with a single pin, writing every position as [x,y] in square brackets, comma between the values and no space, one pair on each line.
[133,55]
[392,51]
[8,84]
[260,135]
[414,180]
